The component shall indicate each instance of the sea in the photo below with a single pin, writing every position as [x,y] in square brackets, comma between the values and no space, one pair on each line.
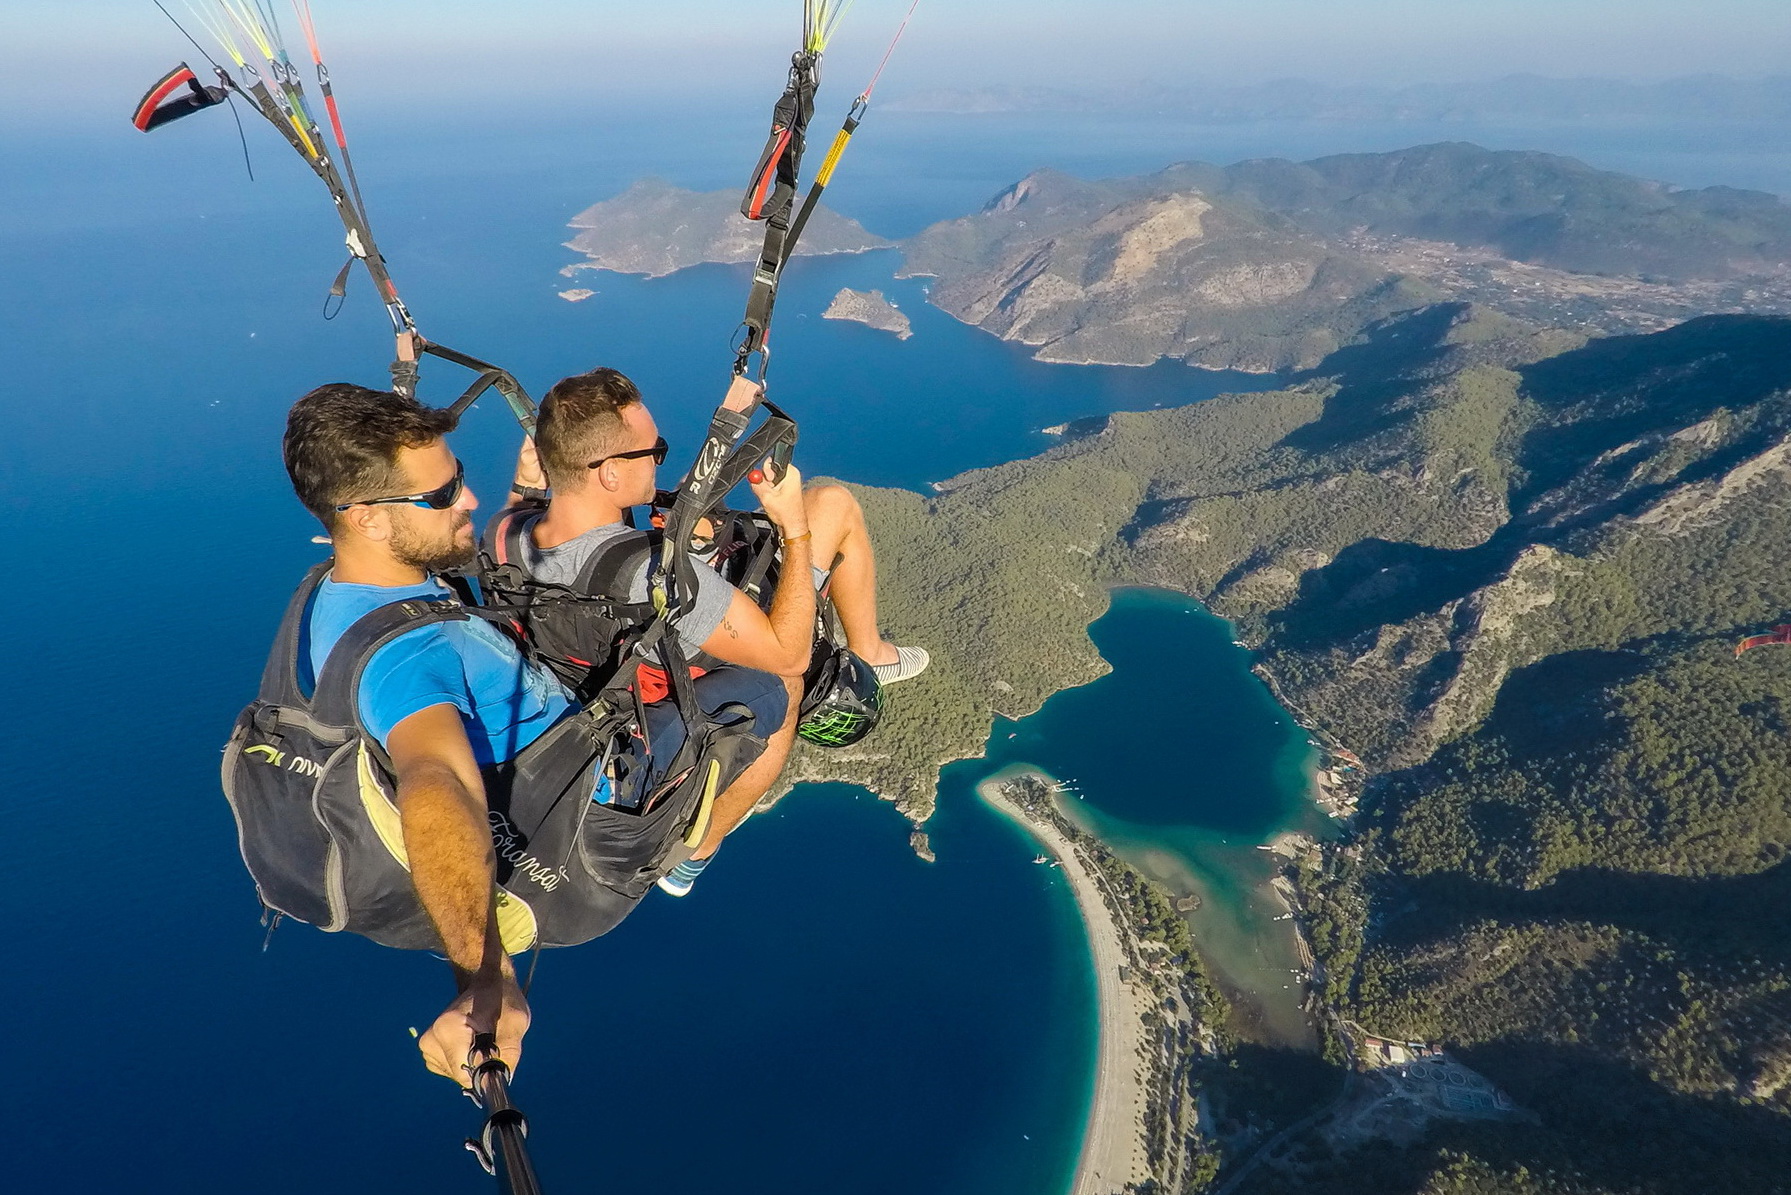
[826,1012]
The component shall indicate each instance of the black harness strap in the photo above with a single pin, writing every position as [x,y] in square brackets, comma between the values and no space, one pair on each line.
[723,463]
[771,196]
[335,698]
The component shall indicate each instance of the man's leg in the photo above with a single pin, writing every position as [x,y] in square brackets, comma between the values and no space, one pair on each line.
[773,700]
[738,799]
[842,547]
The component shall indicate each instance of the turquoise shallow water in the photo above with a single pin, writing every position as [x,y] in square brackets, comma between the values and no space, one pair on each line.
[826,1013]
[1182,761]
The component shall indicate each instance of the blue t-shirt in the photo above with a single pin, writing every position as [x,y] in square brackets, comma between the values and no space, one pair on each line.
[505,702]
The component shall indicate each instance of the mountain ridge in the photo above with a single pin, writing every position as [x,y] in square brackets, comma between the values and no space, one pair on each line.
[1271,265]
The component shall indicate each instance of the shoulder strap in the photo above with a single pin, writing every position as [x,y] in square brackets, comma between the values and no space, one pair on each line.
[279,677]
[610,569]
[503,540]
[334,701]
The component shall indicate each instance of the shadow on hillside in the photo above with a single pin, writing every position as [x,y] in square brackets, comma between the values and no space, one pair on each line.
[1643,385]
[1375,378]
[1610,1122]
[1270,1086]
[1600,1125]
[1598,401]
[1553,706]
[1745,915]
[1377,582]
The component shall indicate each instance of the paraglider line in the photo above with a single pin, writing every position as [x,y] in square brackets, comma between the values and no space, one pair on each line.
[865,96]
[241,135]
[189,37]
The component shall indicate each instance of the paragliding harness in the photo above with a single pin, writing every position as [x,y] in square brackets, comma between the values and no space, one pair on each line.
[314,798]
[607,649]
[615,654]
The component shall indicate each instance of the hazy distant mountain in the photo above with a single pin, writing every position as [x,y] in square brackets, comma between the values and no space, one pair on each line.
[1703,97]
[1271,264]
[654,228]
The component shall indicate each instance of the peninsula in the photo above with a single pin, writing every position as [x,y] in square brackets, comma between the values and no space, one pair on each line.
[654,228]
[1494,547]
[1159,1013]
[871,309]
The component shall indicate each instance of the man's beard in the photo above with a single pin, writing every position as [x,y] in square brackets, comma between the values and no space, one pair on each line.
[433,555]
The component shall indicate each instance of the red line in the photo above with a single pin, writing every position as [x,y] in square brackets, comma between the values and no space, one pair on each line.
[329,101]
[892,47]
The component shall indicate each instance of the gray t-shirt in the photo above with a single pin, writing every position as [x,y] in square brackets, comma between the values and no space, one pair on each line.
[562,566]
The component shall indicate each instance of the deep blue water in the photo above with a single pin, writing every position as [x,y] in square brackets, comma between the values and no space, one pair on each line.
[825,1013]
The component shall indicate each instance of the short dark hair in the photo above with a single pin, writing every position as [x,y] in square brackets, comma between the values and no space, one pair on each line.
[342,443]
[581,421]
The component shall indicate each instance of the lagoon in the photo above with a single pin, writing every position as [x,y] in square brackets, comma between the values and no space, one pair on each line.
[1182,762]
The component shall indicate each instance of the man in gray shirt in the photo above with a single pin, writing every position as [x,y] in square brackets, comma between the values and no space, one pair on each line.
[598,451]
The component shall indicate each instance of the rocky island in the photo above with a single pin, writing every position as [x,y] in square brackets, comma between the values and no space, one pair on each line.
[871,309]
[654,228]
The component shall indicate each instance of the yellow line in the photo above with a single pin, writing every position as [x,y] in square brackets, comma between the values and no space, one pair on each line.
[251,28]
[833,157]
[219,33]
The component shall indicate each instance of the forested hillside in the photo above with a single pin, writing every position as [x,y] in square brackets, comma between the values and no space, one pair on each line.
[1508,568]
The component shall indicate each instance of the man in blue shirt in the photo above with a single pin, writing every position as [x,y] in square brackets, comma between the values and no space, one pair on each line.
[443,700]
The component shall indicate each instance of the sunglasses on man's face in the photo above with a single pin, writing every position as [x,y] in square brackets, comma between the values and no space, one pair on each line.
[440,498]
[657,452]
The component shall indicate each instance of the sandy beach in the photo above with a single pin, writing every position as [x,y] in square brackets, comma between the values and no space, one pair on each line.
[1112,1143]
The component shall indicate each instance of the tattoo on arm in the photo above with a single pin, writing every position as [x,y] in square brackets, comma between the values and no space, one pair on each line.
[730,629]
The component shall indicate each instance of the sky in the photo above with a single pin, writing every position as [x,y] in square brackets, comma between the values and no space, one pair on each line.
[447,51]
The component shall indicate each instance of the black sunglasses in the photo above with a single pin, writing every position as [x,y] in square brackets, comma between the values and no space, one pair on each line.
[657,452]
[437,499]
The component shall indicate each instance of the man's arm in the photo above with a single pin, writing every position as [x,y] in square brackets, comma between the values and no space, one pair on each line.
[441,806]
[780,642]
[529,483]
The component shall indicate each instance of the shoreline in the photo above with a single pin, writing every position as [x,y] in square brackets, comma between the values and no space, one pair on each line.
[1113,1151]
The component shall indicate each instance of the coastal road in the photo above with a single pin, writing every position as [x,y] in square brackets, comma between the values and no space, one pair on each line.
[1294,1130]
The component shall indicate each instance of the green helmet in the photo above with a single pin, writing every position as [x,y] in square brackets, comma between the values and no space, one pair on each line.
[841,698]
